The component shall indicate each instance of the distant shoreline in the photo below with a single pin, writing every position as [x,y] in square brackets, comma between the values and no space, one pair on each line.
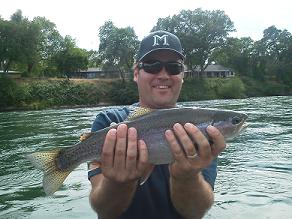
[28,108]
[101,104]
[32,94]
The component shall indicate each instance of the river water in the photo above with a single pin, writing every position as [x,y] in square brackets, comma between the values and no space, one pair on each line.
[254,172]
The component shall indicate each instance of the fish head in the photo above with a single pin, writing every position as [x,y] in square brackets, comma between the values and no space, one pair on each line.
[230,123]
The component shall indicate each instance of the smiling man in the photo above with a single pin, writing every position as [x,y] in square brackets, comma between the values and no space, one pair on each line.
[182,189]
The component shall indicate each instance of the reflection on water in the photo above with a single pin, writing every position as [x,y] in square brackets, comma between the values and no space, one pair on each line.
[254,172]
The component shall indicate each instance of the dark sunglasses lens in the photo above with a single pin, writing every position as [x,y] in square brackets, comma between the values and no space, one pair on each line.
[174,68]
[153,67]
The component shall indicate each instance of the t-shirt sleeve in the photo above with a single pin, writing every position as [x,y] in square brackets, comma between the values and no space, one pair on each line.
[103,120]
[210,173]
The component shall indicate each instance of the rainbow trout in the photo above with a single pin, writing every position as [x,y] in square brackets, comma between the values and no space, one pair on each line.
[151,126]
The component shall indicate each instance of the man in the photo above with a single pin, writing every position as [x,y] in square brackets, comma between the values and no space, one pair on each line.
[182,189]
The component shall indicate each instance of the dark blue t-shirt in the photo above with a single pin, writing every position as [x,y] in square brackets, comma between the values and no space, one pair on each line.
[152,199]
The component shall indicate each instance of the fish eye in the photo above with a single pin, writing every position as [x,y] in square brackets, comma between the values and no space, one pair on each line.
[235,120]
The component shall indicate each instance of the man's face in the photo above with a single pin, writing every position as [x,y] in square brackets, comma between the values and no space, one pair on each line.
[159,90]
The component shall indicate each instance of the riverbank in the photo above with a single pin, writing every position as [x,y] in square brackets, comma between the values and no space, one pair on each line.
[44,93]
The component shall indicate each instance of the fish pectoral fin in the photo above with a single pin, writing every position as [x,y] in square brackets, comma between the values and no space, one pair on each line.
[53,176]
[85,136]
[146,175]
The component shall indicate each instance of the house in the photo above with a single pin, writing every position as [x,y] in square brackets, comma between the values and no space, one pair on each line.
[212,70]
[91,73]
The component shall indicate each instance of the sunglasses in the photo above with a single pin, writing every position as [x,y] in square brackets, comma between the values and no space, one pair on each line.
[155,66]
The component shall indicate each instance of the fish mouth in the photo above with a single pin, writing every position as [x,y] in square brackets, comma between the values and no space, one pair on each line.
[243,127]
[243,124]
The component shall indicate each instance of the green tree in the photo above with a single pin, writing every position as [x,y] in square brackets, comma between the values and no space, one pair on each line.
[49,44]
[201,32]
[18,39]
[236,54]
[11,44]
[276,43]
[71,59]
[117,47]
[93,59]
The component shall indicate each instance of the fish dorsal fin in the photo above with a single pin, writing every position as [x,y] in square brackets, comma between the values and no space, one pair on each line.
[138,112]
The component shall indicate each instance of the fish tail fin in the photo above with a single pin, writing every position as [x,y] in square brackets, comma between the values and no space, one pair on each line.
[53,176]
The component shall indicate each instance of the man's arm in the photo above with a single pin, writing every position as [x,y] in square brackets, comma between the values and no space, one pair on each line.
[191,195]
[110,199]
[123,162]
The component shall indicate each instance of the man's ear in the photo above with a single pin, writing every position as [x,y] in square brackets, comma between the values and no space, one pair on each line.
[136,72]
[183,75]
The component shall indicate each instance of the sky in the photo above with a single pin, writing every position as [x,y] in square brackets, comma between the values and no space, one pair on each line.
[81,19]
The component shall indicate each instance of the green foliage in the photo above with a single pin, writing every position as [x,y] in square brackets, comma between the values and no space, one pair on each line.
[50,42]
[212,88]
[117,47]
[42,94]
[7,91]
[256,88]
[195,89]
[263,60]
[200,31]
[123,93]
[236,54]
[58,93]
[232,88]
[71,60]
[18,43]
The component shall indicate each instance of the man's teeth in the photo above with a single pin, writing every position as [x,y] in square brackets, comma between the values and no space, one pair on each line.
[162,87]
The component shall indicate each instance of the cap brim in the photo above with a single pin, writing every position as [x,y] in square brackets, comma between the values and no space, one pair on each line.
[157,49]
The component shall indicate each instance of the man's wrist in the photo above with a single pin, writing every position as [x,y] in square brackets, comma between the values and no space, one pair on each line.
[191,177]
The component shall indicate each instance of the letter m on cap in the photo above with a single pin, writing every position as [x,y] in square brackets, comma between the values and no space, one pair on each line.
[160,39]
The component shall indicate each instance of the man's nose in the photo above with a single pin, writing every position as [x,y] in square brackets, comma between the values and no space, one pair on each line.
[163,72]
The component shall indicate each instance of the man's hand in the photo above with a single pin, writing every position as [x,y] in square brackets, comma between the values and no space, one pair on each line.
[192,150]
[191,195]
[124,158]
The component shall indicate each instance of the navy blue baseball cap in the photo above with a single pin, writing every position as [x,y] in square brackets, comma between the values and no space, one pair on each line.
[159,40]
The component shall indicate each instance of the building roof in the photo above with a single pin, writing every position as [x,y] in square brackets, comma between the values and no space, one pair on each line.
[214,68]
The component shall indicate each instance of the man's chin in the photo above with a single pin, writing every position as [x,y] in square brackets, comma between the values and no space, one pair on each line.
[163,103]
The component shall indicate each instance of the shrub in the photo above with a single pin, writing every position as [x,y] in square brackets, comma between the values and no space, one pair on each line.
[8,89]
[232,88]
[123,93]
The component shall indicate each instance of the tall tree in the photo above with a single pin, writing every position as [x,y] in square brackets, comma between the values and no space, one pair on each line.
[50,39]
[70,58]
[201,32]
[18,42]
[272,53]
[93,58]
[117,47]
[236,54]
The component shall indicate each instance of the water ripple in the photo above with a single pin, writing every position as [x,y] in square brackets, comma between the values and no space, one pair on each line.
[254,172]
